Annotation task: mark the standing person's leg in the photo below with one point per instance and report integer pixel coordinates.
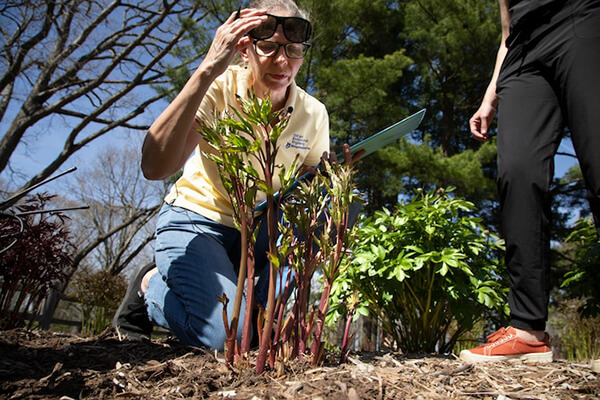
(579, 78)
(193, 256)
(529, 132)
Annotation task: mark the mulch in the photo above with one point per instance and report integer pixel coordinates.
(50, 365)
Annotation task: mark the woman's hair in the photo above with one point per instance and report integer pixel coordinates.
(288, 5)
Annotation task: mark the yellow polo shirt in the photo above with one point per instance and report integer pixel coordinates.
(307, 135)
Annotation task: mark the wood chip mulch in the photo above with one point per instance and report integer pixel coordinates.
(46, 365)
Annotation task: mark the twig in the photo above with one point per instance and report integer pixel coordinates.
(458, 370)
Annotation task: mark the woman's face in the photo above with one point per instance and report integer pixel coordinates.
(272, 74)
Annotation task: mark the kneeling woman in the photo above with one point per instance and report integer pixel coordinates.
(197, 244)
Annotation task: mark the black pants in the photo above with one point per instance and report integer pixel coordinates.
(550, 77)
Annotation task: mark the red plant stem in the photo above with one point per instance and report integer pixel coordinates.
(346, 338)
(38, 303)
(309, 324)
(320, 322)
(26, 288)
(230, 340)
(291, 332)
(281, 306)
(292, 318)
(291, 326)
(303, 291)
(272, 229)
(303, 294)
(246, 258)
(268, 328)
(7, 296)
(301, 304)
(327, 285)
(303, 330)
(232, 331)
(248, 315)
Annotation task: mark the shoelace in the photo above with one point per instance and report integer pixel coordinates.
(497, 335)
(498, 342)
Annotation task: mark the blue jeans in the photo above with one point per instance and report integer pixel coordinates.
(197, 261)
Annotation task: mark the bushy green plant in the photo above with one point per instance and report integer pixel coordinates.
(313, 237)
(99, 294)
(576, 318)
(422, 269)
(245, 145)
(582, 280)
(577, 335)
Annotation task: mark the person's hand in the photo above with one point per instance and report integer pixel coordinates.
(349, 158)
(332, 158)
(231, 37)
(481, 121)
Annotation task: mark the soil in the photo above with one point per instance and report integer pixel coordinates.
(47, 365)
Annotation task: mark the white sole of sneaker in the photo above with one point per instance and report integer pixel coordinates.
(472, 358)
(596, 366)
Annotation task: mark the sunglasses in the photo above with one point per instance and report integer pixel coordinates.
(268, 48)
(295, 29)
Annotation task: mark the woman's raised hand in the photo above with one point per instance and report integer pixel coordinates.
(231, 37)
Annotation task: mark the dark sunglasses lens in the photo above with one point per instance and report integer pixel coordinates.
(296, 29)
(265, 30)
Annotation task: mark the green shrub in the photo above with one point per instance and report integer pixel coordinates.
(576, 319)
(99, 294)
(577, 335)
(581, 281)
(313, 235)
(428, 270)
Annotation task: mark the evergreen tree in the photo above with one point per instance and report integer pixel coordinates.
(375, 62)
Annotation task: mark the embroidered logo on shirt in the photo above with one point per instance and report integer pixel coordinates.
(297, 142)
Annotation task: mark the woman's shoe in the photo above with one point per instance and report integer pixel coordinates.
(131, 319)
(505, 345)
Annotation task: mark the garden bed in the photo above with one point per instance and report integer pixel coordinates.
(46, 365)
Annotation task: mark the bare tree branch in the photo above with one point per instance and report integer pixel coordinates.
(119, 264)
(23, 49)
(81, 254)
(70, 147)
(87, 61)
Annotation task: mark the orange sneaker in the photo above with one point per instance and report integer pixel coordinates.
(505, 345)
